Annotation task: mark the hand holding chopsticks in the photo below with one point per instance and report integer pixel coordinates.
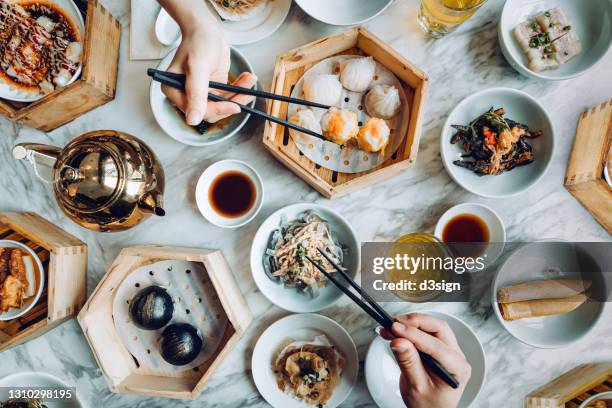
(177, 81)
(378, 313)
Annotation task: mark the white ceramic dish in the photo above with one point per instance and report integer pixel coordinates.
(301, 327)
(591, 19)
(40, 271)
(497, 231)
(256, 28)
(382, 372)
(41, 380)
(173, 122)
(205, 181)
(597, 397)
(292, 299)
(533, 262)
(167, 30)
(343, 12)
(12, 93)
(520, 107)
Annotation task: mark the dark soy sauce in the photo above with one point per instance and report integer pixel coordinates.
(232, 194)
(468, 233)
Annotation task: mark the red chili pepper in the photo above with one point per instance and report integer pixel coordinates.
(489, 135)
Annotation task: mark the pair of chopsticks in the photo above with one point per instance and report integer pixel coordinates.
(379, 314)
(177, 81)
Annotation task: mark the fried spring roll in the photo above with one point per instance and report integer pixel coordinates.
(4, 264)
(542, 289)
(538, 308)
(18, 269)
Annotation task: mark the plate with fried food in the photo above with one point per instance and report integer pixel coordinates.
(305, 360)
(22, 279)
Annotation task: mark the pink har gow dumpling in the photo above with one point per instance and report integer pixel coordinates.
(383, 101)
(339, 125)
(374, 135)
(325, 89)
(356, 74)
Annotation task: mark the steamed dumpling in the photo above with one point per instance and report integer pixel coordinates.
(383, 101)
(356, 74)
(307, 119)
(339, 125)
(322, 88)
(374, 135)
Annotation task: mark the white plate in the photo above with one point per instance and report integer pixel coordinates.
(532, 262)
(257, 27)
(291, 298)
(497, 231)
(601, 396)
(350, 159)
(173, 122)
(591, 19)
(14, 313)
(40, 380)
(294, 328)
(343, 12)
(383, 374)
(12, 93)
(520, 107)
(206, 179)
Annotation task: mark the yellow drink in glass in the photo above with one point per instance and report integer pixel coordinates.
(440, 17)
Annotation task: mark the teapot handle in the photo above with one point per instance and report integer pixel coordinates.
(37, 154)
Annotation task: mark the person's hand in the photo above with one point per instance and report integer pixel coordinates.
(421, 388)
(202, 56)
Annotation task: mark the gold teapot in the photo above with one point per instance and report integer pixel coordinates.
(103, 180)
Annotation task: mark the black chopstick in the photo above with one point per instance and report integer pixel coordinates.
(241, 90)
(380, 315)
(177, 83)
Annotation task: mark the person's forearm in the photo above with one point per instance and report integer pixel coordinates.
(190, 14)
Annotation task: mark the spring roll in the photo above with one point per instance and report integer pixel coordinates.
(542, 289)
(30, 277)
(538, 308)
(4, 264)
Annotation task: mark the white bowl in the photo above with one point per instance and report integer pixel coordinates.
(205, 181)
(382, 372)
(15, 313)
(602, 395)
(532, 262)
(497, 231)
(292, 299)
(172, 121)
(301, 327)
(520, 107)
(343, 12)
(33, 380)
(591, 19)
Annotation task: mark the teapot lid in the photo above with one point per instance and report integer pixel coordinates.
(89, 176)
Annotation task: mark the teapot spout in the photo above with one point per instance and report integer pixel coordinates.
(151, 202)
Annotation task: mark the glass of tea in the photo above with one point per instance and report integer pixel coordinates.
(229, 193)
(440, 17)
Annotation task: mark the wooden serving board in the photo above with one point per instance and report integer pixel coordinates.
(572, 388)
(584, 177)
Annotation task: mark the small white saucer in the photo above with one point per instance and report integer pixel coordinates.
(497, 231)
(209, 175)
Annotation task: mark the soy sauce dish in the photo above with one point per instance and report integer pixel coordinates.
(229, 193)
(472, 229)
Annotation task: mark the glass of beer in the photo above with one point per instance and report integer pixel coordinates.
(440, 17)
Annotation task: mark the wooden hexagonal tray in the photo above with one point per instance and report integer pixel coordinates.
(289, 69)
(120, 368)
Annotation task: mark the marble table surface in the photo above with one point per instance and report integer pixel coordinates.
(463, 63)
